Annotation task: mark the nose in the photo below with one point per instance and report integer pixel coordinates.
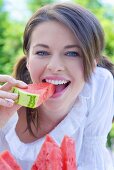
(55, 64)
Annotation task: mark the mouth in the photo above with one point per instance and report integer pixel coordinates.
(60, 85)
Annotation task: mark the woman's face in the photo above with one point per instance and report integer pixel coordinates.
(55, 57)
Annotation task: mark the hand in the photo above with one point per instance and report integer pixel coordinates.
(7, 99)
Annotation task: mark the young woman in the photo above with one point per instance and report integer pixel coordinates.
(63, 45)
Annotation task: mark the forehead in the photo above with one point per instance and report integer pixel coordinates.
(52, 31)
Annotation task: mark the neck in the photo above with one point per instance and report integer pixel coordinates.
(48, 121)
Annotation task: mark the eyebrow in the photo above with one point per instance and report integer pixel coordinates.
(66, 47)
(41, 45)
(72, 46)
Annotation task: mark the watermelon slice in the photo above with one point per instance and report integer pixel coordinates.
(34, 95)
(9, 160)
(51, 140)
(40, 162)
(54, 156)
(54, 159)
(4, 165)
(68, 152)
(49, 157)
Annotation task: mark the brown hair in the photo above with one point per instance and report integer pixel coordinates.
(85, 27)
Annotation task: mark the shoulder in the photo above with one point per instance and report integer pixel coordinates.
(101, 74)
(100, 85)
(100, 78)
(101, 81)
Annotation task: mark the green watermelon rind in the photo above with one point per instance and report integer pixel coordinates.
(25, 98)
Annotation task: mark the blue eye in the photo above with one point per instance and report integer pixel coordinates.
(72, 53)
(42, 53)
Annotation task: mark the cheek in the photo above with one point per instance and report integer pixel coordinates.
(78, 71)
(35, 69)
(78, 79)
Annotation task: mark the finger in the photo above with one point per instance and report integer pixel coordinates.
(21, 84)
(7, 78)
(6, 102)
(8, 95)
(8, 86)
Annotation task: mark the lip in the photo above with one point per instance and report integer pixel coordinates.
(55, 78)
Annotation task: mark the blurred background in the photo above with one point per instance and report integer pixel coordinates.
(14, 15)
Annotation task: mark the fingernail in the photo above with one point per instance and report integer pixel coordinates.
(23, 84)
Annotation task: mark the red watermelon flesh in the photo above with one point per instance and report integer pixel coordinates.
(49, 157)
(51, 140)
(39, 88)
(34, 167)
(34, 95)
(8, 158)
(54, 159)
(4, 165)
(40, 163)
(68, 152)
(45, 90)
(40, 160)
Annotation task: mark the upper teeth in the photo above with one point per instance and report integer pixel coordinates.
(56, 82)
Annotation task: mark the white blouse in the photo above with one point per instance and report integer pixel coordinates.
(88, 122)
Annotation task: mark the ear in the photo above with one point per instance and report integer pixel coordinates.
(95, 62)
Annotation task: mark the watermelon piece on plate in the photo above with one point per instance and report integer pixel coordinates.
(4, 165)
(40, 160)
(49, 157)
(51, 140)
(34, 95)
(54, 159)
(8, 158)
(68, 152)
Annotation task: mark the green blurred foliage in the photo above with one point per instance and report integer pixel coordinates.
(110, 141)
(12, 47)
(10, 41)
(33, 5)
